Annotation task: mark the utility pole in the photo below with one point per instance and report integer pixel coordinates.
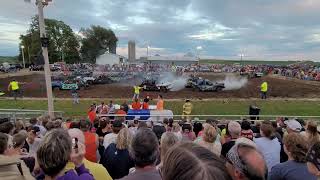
(23, 61)
(44, 45)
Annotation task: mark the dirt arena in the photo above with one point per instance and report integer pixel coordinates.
(33, 85)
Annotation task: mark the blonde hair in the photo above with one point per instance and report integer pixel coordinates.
(312, 133)
(124, 139)
(168, 139)
(20, 125)
(176, 127)
(209, 133)
(297, 146)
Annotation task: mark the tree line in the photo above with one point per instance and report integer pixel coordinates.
(64, 44)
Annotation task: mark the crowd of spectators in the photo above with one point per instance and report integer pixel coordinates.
(45, 148)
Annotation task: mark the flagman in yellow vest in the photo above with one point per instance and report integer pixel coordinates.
(14, 88)
(264, 90)
(187, 110)
(136, 92)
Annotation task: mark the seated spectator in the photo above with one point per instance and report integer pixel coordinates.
(293, 126)
(54, 153)
(112, 137)
(33, 140)
(187, 133)
(158, 129)
(91, 141)
(144, 151)
(268, 145)
(313, 157)
(136, 105)
(208, 139)
(97, 170)
(246, 130)
(244, 161)
(168, 139)
(11, 167)
(234, 130)
(116, 157)
(189, 161)
(296, 167)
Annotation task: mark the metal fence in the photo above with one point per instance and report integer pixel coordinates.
(14, 114)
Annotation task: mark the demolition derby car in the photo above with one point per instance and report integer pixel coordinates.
(152, 85)
(68, 85)
(206, 85)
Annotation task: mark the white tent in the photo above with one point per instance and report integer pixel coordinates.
(111, 59)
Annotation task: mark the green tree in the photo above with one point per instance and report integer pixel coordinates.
(97, 40)
(63, 43)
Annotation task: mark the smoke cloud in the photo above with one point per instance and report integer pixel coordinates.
(177, 82)
(234, 83)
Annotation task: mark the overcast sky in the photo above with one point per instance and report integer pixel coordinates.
(259, 29)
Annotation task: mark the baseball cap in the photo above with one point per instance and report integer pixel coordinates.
(117, 123)
(293, 125)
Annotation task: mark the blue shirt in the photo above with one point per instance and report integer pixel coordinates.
(291, 170)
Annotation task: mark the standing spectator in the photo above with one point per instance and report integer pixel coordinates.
(54, 153)
(91, 141)
(112, 137)
(268, 145)
(103, 129)
(296, 167)
(101, 108)
(187, 110)
(116, 157)
(11, 166)
(293, 126)
(97, 170)
(145, 104)
(187, 133)
(136, 105)
(189, 161)
(246, 130)
(92, 113)
(74, 95)
(313, 157)
(168, 139)
(245, 162)
(176, 129)
(158, 130)
(38, 123)
(33, 140)
(208, 139)
(19, 126)
(160, 103)
(144, 150)
(234, 130)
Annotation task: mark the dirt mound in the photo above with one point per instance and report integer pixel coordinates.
(34, 86)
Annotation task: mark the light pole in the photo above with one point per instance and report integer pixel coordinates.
(44, 45)
(22, 50)
(148, 51)
(241, 56)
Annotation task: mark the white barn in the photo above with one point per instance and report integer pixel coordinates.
(111, 59)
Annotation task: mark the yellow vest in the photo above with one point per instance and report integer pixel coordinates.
(14, 85)
(137, 89)
(187, 108)
(264, 87)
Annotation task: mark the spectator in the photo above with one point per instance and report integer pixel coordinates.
(176, 129)
(37, 122)
(121, 112)
(116, 157)
(208, 139)
(189, 161)
(125, 107)
(246, 130)
(104, 128)
(54, 153)
(92, 113)
(168, 139)
(112, 137)
(97, 170)
(142, 124)
(74, 124)
(168, 124)
(160, 103)
(296, 167)
(234, 130)
(313, 157)
(245, 162)
(19, 126)
(311, 134)
(8, 129)
(145, 104)
(293, 126)
(158, 129)
(11, 166)
(187, 110)
(197, 127)
(136, 105)
(268, 145)
(133, 127)
(144, 150)
(187, 133)
(91, 141)
(33, 140)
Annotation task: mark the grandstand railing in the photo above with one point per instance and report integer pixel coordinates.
(14, 114)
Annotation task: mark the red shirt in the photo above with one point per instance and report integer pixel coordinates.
(92, 116)
(136, 105)
(91, 146)
(121, 112)
(145, 105)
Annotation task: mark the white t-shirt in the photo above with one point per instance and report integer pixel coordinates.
(109, 138)
(34, 146)
(270, 150)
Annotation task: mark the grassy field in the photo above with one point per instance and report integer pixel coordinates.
(216, 107)
(245, 62)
